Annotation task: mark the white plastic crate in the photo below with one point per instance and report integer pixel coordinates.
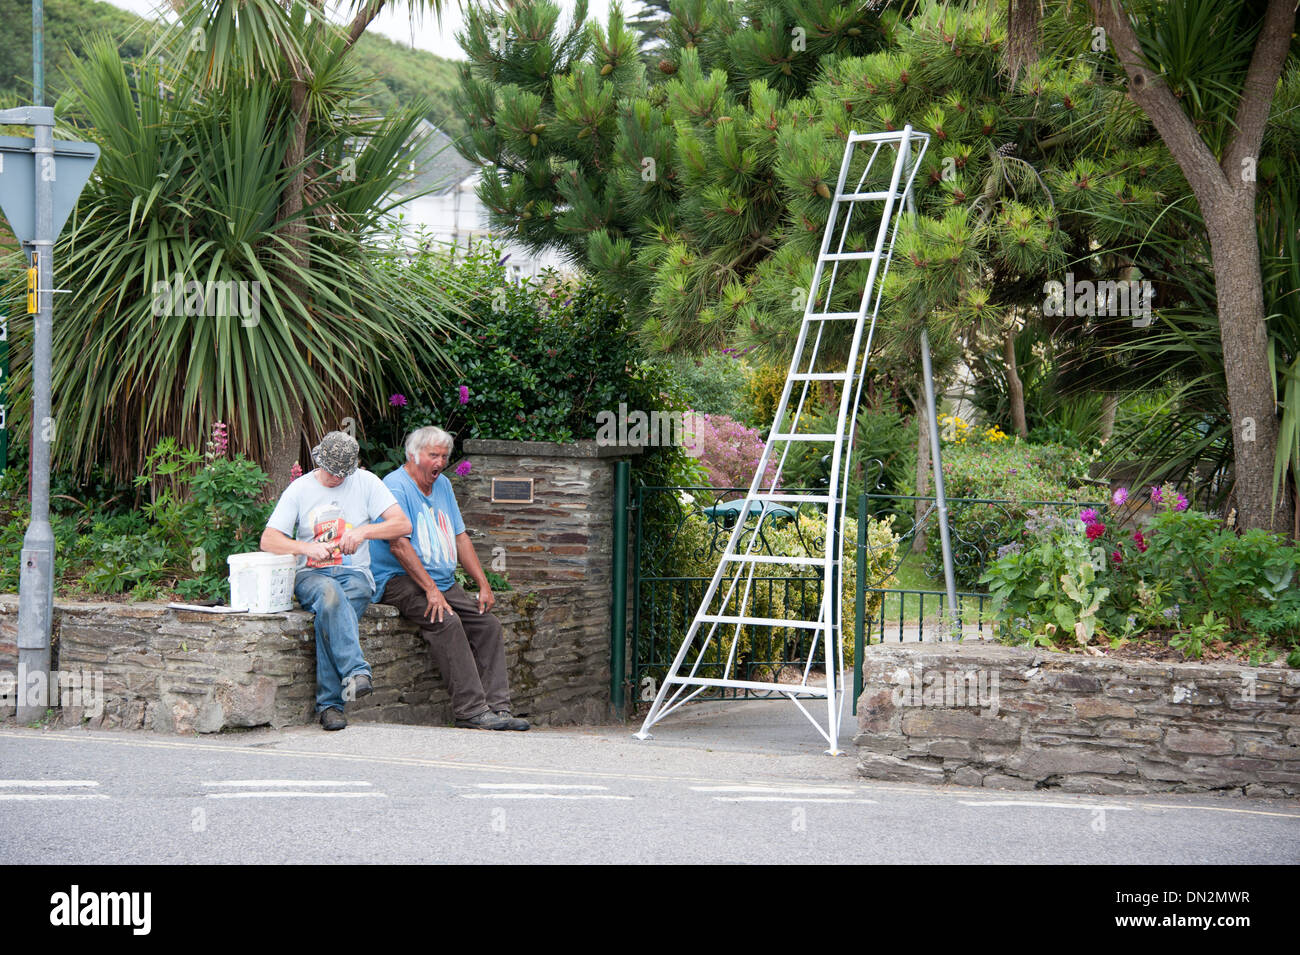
(261, 583)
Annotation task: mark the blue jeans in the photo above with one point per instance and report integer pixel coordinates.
(338, 596)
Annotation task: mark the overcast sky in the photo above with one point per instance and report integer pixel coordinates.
(395, 23)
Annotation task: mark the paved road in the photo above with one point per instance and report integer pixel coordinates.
(740, 783)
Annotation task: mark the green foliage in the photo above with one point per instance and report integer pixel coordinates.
(712, 384)
(1186, 578)
(538, 360)
(201, 509)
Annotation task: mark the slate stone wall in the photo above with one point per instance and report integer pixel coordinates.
(174, 671)
(1010, 718)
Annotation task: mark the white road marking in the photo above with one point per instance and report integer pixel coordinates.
(1045, 805)
(44, 783)
(516, 795)
(784, 790)
(799, 799)
(271, 794)
(28, 797)
(535, 786)
(287, 782)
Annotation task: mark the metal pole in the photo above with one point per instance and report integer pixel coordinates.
(36, 575)
(940, 500)
(860, 601)
(618, 610)
(38, 52)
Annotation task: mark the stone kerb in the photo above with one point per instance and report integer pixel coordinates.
(1011, 718)
(180, 672)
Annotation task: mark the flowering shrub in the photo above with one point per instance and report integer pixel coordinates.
(958, 431)
(729, 451)
(1188, 578)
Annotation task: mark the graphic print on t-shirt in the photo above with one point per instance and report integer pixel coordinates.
(435, 538)
(327, 526)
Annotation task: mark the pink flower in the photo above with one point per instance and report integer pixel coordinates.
(1182, 503)
(1156, 496)
(1089, 515)
(1119, 497)
(1094, 531)
(220, 439)
(397, 401)
(295, 472)
(1117, 557)
(464, 394)
(1140, 541)
(464, 467)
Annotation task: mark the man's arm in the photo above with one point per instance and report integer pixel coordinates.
(469, 560)
(391, 524)
(405, 554)
(278, 542)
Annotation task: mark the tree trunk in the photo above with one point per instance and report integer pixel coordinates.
(1015, 387)
(1109, 406)
(1253, 410)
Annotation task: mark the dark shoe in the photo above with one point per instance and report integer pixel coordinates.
(332, 718)
(512, 722)
(360, 686)
(487, 720)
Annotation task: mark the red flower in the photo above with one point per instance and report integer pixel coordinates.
(1140, 541)
(1117, 557)
(1095, 530)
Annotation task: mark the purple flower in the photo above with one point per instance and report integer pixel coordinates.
(1182, 503)
(1156, 496)
(1012, 471)
(464, 394)
(1119, 497)
(464, 467)
(1089, 515)
(397, 401)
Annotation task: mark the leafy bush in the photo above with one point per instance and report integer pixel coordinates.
(713, 384)
(538, 361)
(1187, 578)
(1014, 472)
(729, 451)
(764, 393)
(203, 508)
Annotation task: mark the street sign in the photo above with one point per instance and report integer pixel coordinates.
(67, 171)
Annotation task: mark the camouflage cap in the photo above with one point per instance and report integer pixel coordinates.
(336, 453)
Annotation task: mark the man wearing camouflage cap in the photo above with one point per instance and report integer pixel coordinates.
(335, 509)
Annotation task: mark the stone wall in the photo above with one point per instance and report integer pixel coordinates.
(180, 672)
(1010, 718)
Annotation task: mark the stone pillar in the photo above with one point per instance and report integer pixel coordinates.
(558, 547)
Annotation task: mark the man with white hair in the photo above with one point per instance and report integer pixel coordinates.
(416, 574)
(334, 509)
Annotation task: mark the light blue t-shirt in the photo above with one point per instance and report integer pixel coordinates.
(435, 522)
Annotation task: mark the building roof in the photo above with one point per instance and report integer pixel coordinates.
(437, 167)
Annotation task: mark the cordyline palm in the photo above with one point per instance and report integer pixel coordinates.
(246, 40)
(190, 183)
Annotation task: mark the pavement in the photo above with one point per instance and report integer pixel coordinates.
(719, 782)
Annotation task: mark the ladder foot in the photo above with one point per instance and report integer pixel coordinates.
(643, 735)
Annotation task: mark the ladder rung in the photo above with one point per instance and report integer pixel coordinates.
(749, 685)
(804, 437)
(863, 196)
(894, 135)
(820, 376)
(847, 257)
(832, 316)
(761, 621)
(770, 559)
(805, 498)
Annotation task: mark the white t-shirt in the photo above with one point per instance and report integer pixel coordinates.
(324, 514)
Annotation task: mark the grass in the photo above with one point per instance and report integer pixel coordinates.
(911, 576)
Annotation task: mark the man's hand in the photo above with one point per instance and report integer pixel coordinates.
(436, 604)
(352, 538)
(486, 599)
(317, 550)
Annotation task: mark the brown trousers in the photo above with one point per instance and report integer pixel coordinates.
(467, 648)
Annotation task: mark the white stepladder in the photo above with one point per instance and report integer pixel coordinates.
(831, 354)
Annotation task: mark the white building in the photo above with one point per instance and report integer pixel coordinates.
(450, 212)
